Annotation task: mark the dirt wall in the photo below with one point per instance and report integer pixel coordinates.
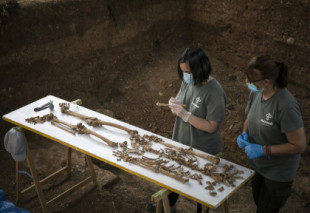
(235, 31)
(87, 49)
(76, 49)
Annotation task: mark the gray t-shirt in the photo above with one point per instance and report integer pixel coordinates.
(207, 101)
(268, 121)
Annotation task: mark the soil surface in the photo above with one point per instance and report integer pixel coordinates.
(126, 86)
(133, 100)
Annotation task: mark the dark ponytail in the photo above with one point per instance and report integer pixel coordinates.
(269, 69)
(282, 80)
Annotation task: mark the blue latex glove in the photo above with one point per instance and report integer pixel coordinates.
(242, 139)
(253, 150)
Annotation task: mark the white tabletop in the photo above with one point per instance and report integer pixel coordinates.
(95, 147)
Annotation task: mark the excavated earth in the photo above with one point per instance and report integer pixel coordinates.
(120, 58)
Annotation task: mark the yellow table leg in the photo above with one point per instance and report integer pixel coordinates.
(225, 206)
(38, 182)
(35, 178)
(166, 204)
(161, 198)
(68, 164)
(159, 206)
(91, 169)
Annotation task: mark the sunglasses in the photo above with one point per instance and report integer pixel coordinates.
(254, 81)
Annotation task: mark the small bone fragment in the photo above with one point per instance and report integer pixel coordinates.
(214, 160)
(220, 189)
(198, 178)
(183, 180)
(212, 193)
(210, 187)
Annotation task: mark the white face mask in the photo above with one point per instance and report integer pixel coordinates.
(188, 78)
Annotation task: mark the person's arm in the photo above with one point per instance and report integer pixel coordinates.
(296, 143)
(197, 122)
(203, 124)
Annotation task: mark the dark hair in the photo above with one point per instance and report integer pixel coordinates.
(269, 69)
(199, 64)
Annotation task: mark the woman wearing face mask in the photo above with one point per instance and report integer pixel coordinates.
(273, 134)
(198, 124)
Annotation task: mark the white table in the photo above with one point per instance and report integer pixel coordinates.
(94, 147)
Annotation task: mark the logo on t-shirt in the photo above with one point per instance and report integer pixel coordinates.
(268, 116)
(267, 122)
(196, 102)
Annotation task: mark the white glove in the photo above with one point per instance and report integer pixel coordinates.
(176, 108)
(173, 101)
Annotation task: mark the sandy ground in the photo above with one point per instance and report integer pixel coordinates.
(133, 101)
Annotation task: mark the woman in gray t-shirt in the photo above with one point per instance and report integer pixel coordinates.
(273, 134)
(198, 124)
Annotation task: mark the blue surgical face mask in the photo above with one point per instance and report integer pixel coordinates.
(253, 88)
(188, 78)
